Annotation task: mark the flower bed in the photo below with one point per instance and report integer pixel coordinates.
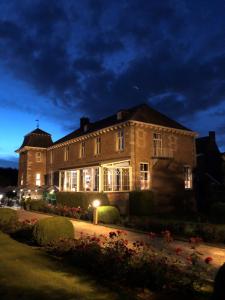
(138, 264)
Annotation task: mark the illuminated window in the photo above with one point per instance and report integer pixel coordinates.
(97, 145)
(82, 149)
(116, 177)
(51, 179)
(120, 140)
(187, 177)
(66, 153)
(157, 144)
(144, 176)
(38, 179)
(21, 181)
(51, 157)
(38, 156)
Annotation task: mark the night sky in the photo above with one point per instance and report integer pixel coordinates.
(60, 60)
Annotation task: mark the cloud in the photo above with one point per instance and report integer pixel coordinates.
(87, 56)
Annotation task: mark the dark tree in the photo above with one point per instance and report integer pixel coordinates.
(8, 177)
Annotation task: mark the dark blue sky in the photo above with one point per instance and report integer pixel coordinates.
(60, 60)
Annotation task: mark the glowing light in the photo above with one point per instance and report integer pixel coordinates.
(52, 192)
(1, 196)
(29, 191)
(21, 190)
(96, 203)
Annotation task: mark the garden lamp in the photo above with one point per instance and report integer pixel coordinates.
(95, 204)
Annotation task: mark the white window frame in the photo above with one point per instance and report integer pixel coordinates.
(157, 143)
(66, 153)
(97, 148)
(82, 149)
(38, 156)
(38, 179)
(120, 140)
(143, 172)
(188, 177)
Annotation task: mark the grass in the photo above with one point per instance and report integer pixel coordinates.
(28, 273)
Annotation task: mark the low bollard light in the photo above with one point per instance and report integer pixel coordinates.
(95, 204)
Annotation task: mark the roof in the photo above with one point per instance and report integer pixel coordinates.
(37, 138)
(141, 113)
(206, 144)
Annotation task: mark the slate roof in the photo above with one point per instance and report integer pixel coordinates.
(37, 138)
(142, 113)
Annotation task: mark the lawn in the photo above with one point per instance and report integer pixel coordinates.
(28, 273)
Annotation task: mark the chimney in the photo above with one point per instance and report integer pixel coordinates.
(121, 114)
(212, 136)
(84, 124)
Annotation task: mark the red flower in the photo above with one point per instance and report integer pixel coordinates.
(208, 260)
(178, 250)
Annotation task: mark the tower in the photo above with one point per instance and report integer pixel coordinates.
(32, 161)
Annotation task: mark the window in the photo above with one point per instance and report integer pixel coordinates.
(51, 157)
(66, 153)
(74, 186)
(51, 179)
(187, 177)
(157, 144)
(21, 180)
(38, 156)
(120, 140)
(38, 179)
(97, 145)
(82, 149)
(144, 176)
(116, 177)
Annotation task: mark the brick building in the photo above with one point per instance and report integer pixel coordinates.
(135, 149)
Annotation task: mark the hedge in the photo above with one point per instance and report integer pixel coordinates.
(8, 219)
(218, 212)
(80, 199)
(37, 205)
(51, 229)
(108, 214)
(141, 203)
(207, 231)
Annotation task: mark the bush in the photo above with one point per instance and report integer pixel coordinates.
(80, 199)
(141, 203)
(37, 205)
(8, 219)
(218, 212)
(108, 214)
(51, 229)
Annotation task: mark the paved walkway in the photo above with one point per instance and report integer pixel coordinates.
(216, 252)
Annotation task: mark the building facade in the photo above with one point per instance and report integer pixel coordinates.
(135, 149)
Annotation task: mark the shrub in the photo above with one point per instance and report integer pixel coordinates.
(51, 229)
(37, 205)
(8, 219)
(141, 203)
(108, 214)
(80, 199)
(218, 212)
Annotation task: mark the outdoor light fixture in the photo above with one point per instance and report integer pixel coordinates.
(29, 191)
(52, 191)
(1, 196)
(95, 204)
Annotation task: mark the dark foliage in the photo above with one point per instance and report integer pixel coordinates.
(8, 177)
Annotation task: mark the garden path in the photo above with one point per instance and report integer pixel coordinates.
(217, 252)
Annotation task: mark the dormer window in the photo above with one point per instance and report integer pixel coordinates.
(38, 156)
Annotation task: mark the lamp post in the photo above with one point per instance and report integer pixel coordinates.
(95, 204)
